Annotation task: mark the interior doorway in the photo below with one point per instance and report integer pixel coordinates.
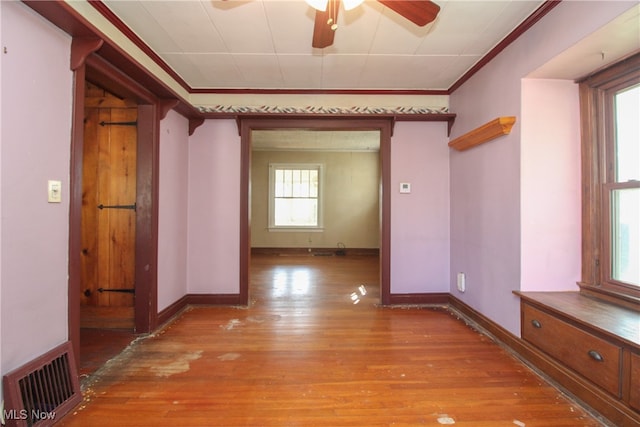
(113, 216)
(383, 129)
(315, 193)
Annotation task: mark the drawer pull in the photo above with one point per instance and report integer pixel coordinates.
(595, 356)
(536, 324)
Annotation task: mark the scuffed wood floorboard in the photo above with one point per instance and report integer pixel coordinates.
(305, 354)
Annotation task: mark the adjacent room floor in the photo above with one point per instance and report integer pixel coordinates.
(98, 346)
(314, 348)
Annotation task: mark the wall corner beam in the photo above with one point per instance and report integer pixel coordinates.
(194, 123)
(166, 105)
(81, 47)
(493, 129)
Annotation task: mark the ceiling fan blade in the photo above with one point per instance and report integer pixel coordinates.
(323, 33)
(420, 12)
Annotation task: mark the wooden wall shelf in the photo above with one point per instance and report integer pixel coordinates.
(487, 132)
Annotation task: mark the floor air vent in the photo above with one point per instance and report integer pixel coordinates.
(40, 392)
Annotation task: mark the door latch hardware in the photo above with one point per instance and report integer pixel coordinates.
(125, 291)
(132, 207)
(103, 123)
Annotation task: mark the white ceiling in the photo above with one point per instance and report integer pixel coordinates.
(266, 44)
(608, 44)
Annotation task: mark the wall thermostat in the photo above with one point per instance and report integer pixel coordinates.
(405, 187)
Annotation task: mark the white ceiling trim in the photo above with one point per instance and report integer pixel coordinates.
(88, 12)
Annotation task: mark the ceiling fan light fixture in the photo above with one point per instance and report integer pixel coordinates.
(351, 4)
(320, 5)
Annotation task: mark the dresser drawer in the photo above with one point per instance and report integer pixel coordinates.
(634, 396)
(592, 357)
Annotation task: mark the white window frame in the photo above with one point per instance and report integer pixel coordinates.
(296, 166)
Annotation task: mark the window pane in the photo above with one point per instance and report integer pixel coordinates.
(288, 189)
(300, 183)
(295, 183)
(628, 135)
(296, 212)
(279, 183)
(304, 183)
(625, 233)
(313, 183)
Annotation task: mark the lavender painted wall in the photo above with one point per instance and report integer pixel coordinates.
(36, 129)
(214, 209)
(550, 186)
(1, 44)
(486, 181)
(172, 218)
(420, 219)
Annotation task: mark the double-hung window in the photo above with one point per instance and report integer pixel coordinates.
(622, 190)
(611, 181)
(295, 196)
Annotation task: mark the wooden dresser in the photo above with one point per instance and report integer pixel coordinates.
(590, 347)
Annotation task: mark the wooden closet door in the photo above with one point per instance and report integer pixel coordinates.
(108, 213)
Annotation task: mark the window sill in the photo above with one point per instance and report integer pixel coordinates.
(610, 295)
(297, 229)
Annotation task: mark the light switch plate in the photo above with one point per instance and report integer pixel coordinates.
(54, 191)
(405, 187)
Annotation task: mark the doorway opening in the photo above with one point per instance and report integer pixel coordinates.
(316, 193)
(253, 129)
(113, 220)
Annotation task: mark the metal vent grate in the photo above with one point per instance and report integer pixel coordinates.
(40, 392)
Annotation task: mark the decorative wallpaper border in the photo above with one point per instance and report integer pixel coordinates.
(267, 109)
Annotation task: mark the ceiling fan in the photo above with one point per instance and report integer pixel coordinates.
(420, 12)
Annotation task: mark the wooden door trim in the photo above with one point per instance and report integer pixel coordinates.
(147, 187)
(384, 125)
(75, 209)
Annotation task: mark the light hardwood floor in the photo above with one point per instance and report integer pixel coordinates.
(315, 349)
